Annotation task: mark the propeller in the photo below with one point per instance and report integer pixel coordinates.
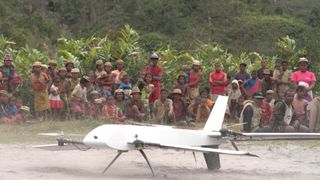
(61, 134)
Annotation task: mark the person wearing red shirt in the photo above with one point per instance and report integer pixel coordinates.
(157, 73)
(303, 75)
(217, 82)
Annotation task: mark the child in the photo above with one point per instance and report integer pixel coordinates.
(163, 109)
(56, 103)
(300, 108)
(186, 72)
(91, 109)
(234, 94)
(111, 111)
(203, 110)
(126, 85)
(12, 108)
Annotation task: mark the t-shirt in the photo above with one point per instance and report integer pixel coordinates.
(155, 71)
(307, 77)
(218, 76)
(163, 109)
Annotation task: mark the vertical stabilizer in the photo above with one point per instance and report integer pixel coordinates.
(215, 120)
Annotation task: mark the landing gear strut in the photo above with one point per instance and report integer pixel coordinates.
(120, 152)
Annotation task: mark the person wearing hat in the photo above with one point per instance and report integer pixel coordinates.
(303, 75)
(269, 98)
(105, 83)
(283, 118)
(69, 66)
(194, 80)
(157, 73)
(242, 74)
(110, 111)
(179, 107)
(39, 85)
(162, 112)
(74, 80)
(135, 108)
(94, 105)
(9, 73)
(108, 67)
(267, 82)
(99, 68)
(266, 108)
(116, 74)
(79, 97)
(250, 115)
(234, 94)
(217, 82)
(282, 79)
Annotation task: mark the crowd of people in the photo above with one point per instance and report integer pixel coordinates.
(268, 99)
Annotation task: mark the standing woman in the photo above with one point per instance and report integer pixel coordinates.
(303, 75)
(39, 85)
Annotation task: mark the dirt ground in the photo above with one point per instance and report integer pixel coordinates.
(282, 161)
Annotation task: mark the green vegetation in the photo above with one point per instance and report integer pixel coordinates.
(181, 31)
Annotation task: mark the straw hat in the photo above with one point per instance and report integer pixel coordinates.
(108, 64)
(176, 91)
(118, 91)
(99, 62)
(119, 61)
(53, 61)
(94, 92)
(197, 63)
(75, 70)
(37, 63)
(135, 90)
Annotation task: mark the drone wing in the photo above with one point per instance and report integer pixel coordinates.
(279, 136)
(194, 149)
(55, 147)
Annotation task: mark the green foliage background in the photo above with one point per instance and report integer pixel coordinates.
(180, 30)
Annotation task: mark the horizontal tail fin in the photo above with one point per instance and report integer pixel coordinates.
(215, 120)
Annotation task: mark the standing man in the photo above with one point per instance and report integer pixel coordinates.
(282, 79)
(194, 80)
(217, 82)
(157, 73)
(242, 74)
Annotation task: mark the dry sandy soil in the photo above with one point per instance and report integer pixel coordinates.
(294, 160)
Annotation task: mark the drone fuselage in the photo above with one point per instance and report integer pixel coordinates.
(122, 137)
